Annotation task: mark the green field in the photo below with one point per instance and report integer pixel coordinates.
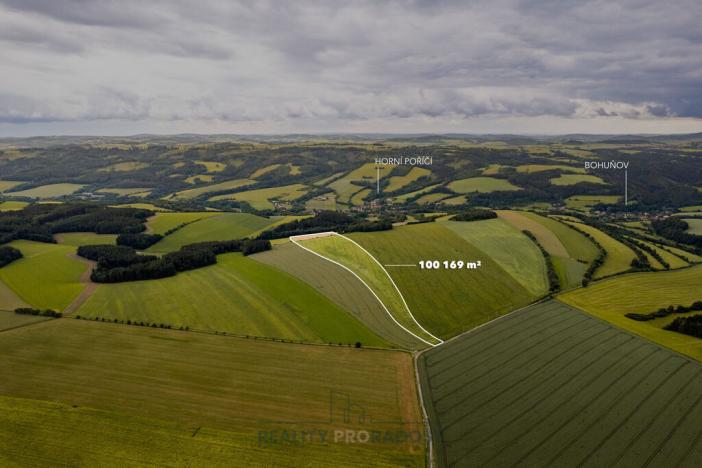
(10, 320)
(212, 166)
(125, 167)
(196, 192)
(123, 192)
(8, 184)
(432, 198)
(143, 206)
(492, 169)
(482, 185)
(397, 182)
(358, 197)
(200, 179)
(98, 394)
(453, 201)
(683, 209)
(341, 250)
(340, 286)
(261, 171)
(445, 302)
(261, 199)
(326, 202)
(8, 299)
(221, 226)
(48, 191)
(570, 251)
(12, 205)
(695, 226)
(344, 187)
(551, 386)
(531, 168)
(237, 295)
(585, 202)
(619, 256)
(509, 248)
(572, 179)
(160, 223)
(47, 277)
(644, 293)
(77, 239)
(405, 196)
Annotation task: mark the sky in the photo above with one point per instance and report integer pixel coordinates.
(108, 67)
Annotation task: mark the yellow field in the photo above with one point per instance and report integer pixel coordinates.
(48, 191)
(12, 205)
(199, 179)
(212, 166)
(344, 187)
(260, 199)
(8, 184)
(196, 192)
(572, 179)
(531, 168)
(397, 182)
(122, 192)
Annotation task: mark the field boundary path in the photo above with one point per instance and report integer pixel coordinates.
(295, 239)
(89, 288)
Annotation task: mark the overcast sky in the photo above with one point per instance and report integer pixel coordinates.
(214, 66)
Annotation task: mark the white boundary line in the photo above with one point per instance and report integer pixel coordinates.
(293, 239)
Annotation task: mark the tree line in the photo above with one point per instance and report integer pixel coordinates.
(665, 312)
(119, 263)
(326, 221)
(8, 255)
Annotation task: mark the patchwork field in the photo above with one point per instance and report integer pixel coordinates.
(432, 198)
(345, 252)
(8, 184)
(76, 239)
(341, 287)
(8, 299)
(585, 202)
(47, 191)
(641, 293)
(196, 192)
(12, 205)
(125, 167)
(509, 248)
(48, 277)
(163, 222)
(551, 386)
(261, 199)
(344, 187)
(482, 185)
(222, 226)
(10, 320)
(405, 196)
(531, 168)
(237, 295)
(572, 179)
(148, 396)
(123, 192)
(397, 182)
(619, 256)
(445, 302)
(695, 226)
(570, 251)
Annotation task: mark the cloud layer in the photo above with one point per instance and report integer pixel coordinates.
(111, 66)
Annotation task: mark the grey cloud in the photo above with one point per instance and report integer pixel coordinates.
(350, 61)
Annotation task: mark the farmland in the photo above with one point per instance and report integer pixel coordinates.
(123, 192)
(222, 226)
(481, 185)
(145, 396)
(12, 205)
(641, 293)
(163, 222)
(76, 239)
(196, 192)
(551, 386)
(572, 179)
(585, 202)
(445, 302)
(260, 199)
(340, 286)
(695, 226)
(6, 185)
(47, 191)
(619, 256)
(345, 188)
(531, 168)
(341, 250)
(237, 295)
(47, 277)
(10, 320)
(570, 251)
(397, 182)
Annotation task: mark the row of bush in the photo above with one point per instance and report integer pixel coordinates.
(8, 255)
(38, 312)
(554, 284)
(475, 214)
(598, 262)
(119, 263)
(326, 221)
(687, 325)
(665, 312)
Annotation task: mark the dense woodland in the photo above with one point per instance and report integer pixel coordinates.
(326, 221)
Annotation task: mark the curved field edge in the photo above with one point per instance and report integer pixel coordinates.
(64, 404)
(348, 254)
(340, 286)
(611, 298)
(237, 295)
(447, 302)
